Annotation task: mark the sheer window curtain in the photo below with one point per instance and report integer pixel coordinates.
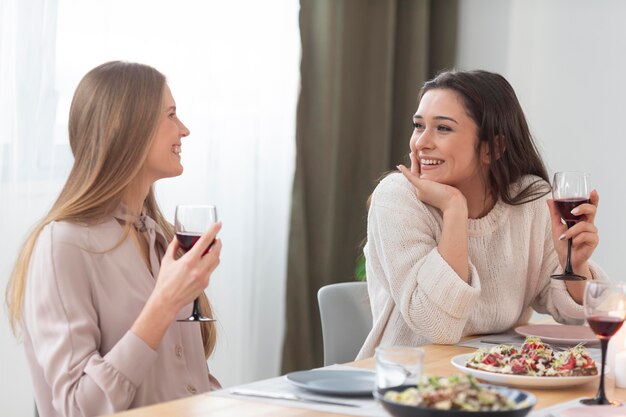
(233, 68)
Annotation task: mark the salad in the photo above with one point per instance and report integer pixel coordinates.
(534, 358)
(456, 392)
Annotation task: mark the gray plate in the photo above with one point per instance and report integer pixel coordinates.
(339, 382)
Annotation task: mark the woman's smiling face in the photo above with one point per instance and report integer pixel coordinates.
(164, 156)
(445, 140)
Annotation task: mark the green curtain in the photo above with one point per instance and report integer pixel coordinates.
(363, 62)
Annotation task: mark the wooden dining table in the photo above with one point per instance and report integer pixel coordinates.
(437, 362)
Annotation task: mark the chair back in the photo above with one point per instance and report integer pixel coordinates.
(346, 320)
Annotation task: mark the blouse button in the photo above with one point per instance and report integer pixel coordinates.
(191, 389)
(178, 351)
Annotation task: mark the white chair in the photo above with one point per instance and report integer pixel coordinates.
(346, 320)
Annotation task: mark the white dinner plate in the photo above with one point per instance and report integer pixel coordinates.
(337, 382)
(520, 381)
(559, 333)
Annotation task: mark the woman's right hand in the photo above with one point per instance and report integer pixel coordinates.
(181, 280)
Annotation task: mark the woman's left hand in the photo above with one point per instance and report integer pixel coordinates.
(584, 234)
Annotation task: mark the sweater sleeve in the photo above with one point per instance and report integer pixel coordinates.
(62, 322)
(402, 239)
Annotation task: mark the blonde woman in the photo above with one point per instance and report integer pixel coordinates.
(97, 288)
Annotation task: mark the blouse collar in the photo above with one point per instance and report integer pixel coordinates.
(141, 222)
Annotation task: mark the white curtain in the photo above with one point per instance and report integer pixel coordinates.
(31, 164)
(233, 68)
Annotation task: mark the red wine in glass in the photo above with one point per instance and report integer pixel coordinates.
(605, 309)
(605, 326)
(569, 190)
(190, 224)
(187, 240)
(566, 205)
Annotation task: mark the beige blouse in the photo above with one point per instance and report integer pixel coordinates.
(83, 294)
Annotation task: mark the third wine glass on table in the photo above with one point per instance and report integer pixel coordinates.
(569, 190)
(190, 224)
(605, 309)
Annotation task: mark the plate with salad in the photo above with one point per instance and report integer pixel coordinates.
(455, 396)
(534, 364)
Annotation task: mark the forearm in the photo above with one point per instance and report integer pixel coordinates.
(153, 321)
(453, 243)
(431, 298)
(577, 288)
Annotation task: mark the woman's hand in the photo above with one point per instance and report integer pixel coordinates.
(442, 196)
(584, 234)
(179, 282)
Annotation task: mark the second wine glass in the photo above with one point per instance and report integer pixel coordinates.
(569, 190)
(605, 309)
(190, 223)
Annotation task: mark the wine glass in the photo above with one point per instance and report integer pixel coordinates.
(190, 223)
(605, 309)
(569, 190)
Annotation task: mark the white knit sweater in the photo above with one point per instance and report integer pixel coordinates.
(417, 298)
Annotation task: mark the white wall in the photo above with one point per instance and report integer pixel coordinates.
(566, 60)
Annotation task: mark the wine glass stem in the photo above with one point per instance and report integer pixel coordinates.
(568, 262)
(601, 396)
(196, 307)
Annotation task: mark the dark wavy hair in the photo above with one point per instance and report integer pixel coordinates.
(491, 102)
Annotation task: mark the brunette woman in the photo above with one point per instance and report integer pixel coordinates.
(464, 242)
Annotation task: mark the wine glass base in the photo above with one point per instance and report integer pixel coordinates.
(193, 319)
(600, 401)
(568, 277)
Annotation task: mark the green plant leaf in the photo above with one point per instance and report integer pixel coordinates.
(359, 269)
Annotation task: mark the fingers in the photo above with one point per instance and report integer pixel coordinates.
(212, 259)
(594, 198)
(588, 210)
(415, 166)
(408, 174)
(207, 264)
(205, 241)
(586, 239)
(580, 228)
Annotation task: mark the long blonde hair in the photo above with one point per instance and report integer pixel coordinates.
(113, 118)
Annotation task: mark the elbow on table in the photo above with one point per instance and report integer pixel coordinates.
(435, 329)
(439, 335)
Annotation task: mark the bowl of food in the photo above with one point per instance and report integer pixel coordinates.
(455, 396)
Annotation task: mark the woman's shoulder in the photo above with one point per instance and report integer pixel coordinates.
(393, 184)
(537, 187)
(527, 180)
(91, 237)
(395, 192)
